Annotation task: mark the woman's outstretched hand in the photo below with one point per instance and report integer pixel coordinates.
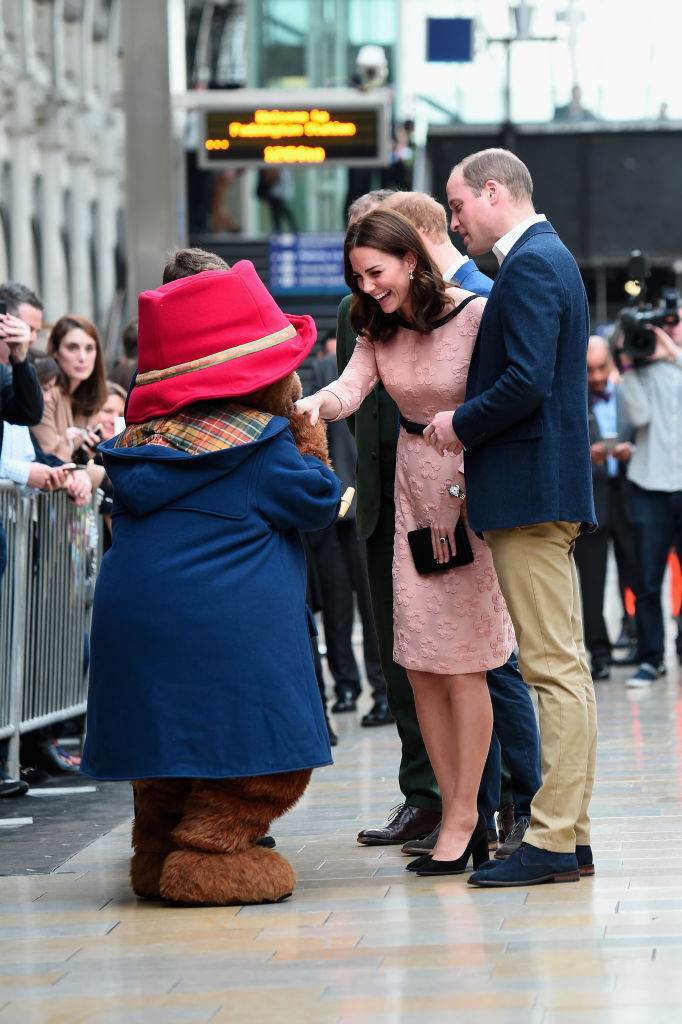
(310, 407)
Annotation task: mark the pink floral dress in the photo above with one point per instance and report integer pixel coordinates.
(454, 621)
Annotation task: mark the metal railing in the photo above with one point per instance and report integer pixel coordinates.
(53, 554)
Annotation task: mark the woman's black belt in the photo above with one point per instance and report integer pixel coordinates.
(411, 427)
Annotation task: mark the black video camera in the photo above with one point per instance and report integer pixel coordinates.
(636, 320)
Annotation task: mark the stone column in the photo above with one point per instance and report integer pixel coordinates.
(151, 192)
(107, 178)
(53, 139)
(80, 162)
(21, 135)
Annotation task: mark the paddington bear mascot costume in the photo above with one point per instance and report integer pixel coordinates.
(202, 683)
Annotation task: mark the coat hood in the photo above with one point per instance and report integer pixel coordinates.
(149, 477)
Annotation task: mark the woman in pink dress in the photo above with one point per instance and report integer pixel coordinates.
(416, 334)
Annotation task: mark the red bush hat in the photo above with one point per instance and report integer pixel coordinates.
(216, 334)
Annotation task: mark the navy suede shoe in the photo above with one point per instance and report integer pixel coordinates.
(583, 855)
(528, 866)
(585, 860)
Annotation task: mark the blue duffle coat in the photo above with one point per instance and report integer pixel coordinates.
(201, 661)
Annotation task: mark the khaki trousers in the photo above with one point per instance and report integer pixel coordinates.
(537, 576)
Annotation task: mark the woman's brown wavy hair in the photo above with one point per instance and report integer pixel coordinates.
(91, 394)
(391, 233)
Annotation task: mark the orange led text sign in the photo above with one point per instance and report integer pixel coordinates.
(292, 136)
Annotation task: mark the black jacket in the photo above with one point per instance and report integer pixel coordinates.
(21, 398)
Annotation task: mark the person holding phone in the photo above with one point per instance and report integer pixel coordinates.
(66, 428)
(21, 398)
(21, 401)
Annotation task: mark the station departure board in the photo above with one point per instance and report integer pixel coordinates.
(246, 128)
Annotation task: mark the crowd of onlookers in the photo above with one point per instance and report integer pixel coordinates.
(56, 403)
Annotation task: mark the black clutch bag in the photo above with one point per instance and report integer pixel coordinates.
(422, 550)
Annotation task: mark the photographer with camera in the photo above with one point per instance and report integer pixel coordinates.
(611, 435)
(650, 359)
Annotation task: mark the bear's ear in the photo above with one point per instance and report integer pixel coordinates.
(276, 398)
(282, 394)
(279, 396)
(296, 387)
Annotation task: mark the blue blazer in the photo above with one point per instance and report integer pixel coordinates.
(524, 421)
(469, 277)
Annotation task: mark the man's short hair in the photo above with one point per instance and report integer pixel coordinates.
(129, 339)
(186, 262)
(15, 294)
(497, 165)
(369, 201)
(423, 211)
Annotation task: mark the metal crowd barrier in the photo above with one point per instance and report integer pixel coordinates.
(53, 554)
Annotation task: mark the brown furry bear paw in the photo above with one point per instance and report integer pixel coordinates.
(145, 874)
(255, 875)
(310, 440)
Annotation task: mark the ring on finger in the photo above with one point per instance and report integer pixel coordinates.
(443, 540)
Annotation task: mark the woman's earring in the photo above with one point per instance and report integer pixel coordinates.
(411, 276)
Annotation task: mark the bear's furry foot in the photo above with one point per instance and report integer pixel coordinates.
(145, 874)
(159, 806)
(255, 875)
(229, 815)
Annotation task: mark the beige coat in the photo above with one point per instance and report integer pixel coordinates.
(57, 417)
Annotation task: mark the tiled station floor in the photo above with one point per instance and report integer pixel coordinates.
(362, 941)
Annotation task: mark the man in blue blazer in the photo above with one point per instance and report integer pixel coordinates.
(514, 725)
(524, 431)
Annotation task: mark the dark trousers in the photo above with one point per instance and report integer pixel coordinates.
(495, 790)
(591, 553)
(341, 573)
(515, 731)
(657, 521)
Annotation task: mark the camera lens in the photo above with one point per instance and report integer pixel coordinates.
(639, 343)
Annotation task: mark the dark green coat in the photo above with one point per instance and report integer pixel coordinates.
(375, 428)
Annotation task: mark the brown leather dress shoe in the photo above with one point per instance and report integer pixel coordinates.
(407, 823)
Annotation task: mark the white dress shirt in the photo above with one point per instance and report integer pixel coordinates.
(17, 454)
(504, 245)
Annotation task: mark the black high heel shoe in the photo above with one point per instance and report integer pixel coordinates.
(414, 865)
(477, 847)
